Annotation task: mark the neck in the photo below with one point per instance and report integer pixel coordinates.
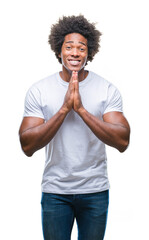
(66, 74)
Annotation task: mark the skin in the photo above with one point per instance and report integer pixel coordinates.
(113, 130)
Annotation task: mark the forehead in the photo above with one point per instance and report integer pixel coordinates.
(75, 37)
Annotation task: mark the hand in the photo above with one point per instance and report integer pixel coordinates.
(69, 97)
(72, 98)
(77, 104)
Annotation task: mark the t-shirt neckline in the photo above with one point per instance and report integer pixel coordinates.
(67, 83)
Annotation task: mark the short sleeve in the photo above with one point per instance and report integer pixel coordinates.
(32, 105)
(114, 100)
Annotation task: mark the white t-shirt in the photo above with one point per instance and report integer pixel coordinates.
(76, 159)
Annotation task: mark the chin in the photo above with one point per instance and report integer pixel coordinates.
(77, 69)
(73, 68)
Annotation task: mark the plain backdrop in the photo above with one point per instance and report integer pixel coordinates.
(25, 57)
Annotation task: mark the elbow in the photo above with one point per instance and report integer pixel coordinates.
(122, 149)
(27, 151)
(123, 146)
(26, 148)
(124, 142)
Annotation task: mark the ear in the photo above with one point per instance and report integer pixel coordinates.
(59, 55)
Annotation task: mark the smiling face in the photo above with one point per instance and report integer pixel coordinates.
(74, 52)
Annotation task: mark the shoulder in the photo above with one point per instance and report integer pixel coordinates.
(99, 79)
(104, 82)
(45, 81)
(43, 84)
(101, 83)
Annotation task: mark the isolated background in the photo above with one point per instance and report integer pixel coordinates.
(25, 57)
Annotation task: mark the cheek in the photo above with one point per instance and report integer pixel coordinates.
(85, 59)
(62, 57)
(85, 55)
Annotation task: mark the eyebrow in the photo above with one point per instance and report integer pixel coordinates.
(73, 42)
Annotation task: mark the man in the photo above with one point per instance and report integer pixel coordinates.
(73, 114)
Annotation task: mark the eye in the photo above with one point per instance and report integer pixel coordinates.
(68, 47)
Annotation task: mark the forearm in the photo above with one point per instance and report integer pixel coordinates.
(38, 137)
(115, 135)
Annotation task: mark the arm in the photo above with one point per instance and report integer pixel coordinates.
(35, 133)
(113, 130)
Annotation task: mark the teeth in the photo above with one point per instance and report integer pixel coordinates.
(74, 62)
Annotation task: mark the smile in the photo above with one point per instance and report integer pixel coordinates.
(74, 62)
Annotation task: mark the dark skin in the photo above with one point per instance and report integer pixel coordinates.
(113, 130)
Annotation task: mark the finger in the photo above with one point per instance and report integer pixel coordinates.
(72, 77)
(71, 86)
(73, 80)
(75, 76)
(76, 81)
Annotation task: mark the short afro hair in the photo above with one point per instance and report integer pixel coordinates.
(74, 24)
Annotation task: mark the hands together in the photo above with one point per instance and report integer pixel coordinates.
(72, 98)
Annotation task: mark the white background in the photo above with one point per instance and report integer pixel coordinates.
(25, 57)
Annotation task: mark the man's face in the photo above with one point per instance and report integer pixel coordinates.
(74, 52)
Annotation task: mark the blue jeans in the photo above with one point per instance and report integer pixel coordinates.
(59, 211)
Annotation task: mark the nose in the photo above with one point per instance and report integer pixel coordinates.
(75, 52)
